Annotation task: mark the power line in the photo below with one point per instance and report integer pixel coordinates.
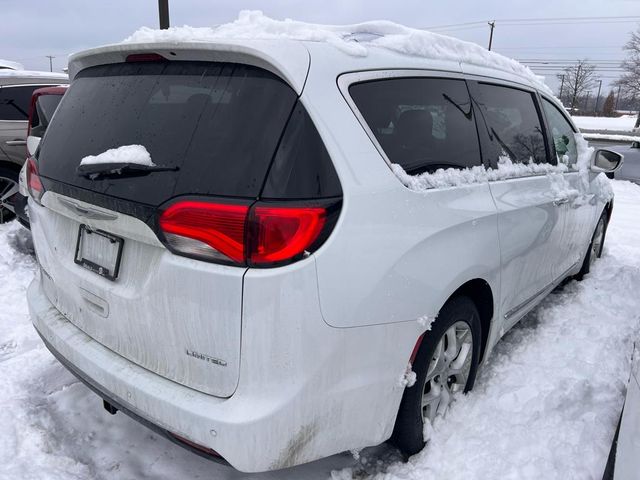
(540, 21)
(582, 47)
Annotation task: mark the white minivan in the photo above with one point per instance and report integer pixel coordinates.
(271, 251)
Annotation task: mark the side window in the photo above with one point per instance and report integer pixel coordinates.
(422, 124)
(513, 123)
(14, 102)
(562, 132)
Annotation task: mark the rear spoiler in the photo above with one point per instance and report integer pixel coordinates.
(287, 59)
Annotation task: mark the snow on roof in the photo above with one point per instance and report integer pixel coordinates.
(356, 40)
(8, 64)
(32, 73)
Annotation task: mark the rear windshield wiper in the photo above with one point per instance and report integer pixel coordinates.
(119, 170)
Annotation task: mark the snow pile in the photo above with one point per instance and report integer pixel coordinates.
(621, 124)
(384, 34)
(547, 403)
(135, 154)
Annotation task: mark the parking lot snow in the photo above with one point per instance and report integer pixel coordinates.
(544, 406)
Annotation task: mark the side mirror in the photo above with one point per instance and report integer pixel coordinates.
(635, 144)
(32, 144)
(606, 161)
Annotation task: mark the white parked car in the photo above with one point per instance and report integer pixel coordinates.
(16, 89)
(246, 244)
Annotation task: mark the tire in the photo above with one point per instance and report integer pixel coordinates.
(595, 246)
(408, 431)
(8, 179)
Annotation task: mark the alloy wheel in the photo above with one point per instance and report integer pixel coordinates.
(8, 192)
(448, 370)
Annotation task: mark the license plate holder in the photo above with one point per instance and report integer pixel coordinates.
(99, 251)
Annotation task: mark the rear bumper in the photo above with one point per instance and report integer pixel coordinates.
(304, 395)
(113, 403)
(160, 404)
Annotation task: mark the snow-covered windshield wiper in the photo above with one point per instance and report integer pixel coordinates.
(119, 170)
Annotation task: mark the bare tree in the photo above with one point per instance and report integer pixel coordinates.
(578, 79)
(609, 105)
(630, 80)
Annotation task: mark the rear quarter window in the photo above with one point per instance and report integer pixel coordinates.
(422, 124)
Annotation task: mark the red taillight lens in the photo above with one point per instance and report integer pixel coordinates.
(34, 184)
(258, 235)
(210, 230)
(282, 233)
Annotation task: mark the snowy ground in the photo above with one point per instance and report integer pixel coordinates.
(611, 137)
(545, 405)
(624, 123)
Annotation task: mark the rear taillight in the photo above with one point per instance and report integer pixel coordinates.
(281, 233)
(209, 230)
(258, 235)
(34, 184)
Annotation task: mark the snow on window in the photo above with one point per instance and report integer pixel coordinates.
(353, 40)
(452, 177)
(506, 168)
(126, 154)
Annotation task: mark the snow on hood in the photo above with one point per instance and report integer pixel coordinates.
(126, 154)
(355, 39)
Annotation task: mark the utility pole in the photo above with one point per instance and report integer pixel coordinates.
(50, 57)
(575, 88)
(617, 97)
(163, 13)
(598, 97)
(561, 86)
(586, 103)
(492, 24)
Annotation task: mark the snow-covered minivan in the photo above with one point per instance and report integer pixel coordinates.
(273, 250)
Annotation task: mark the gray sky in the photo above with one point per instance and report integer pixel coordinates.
(32, 29)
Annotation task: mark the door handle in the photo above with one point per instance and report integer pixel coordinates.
(560, 201)
(16, 143)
